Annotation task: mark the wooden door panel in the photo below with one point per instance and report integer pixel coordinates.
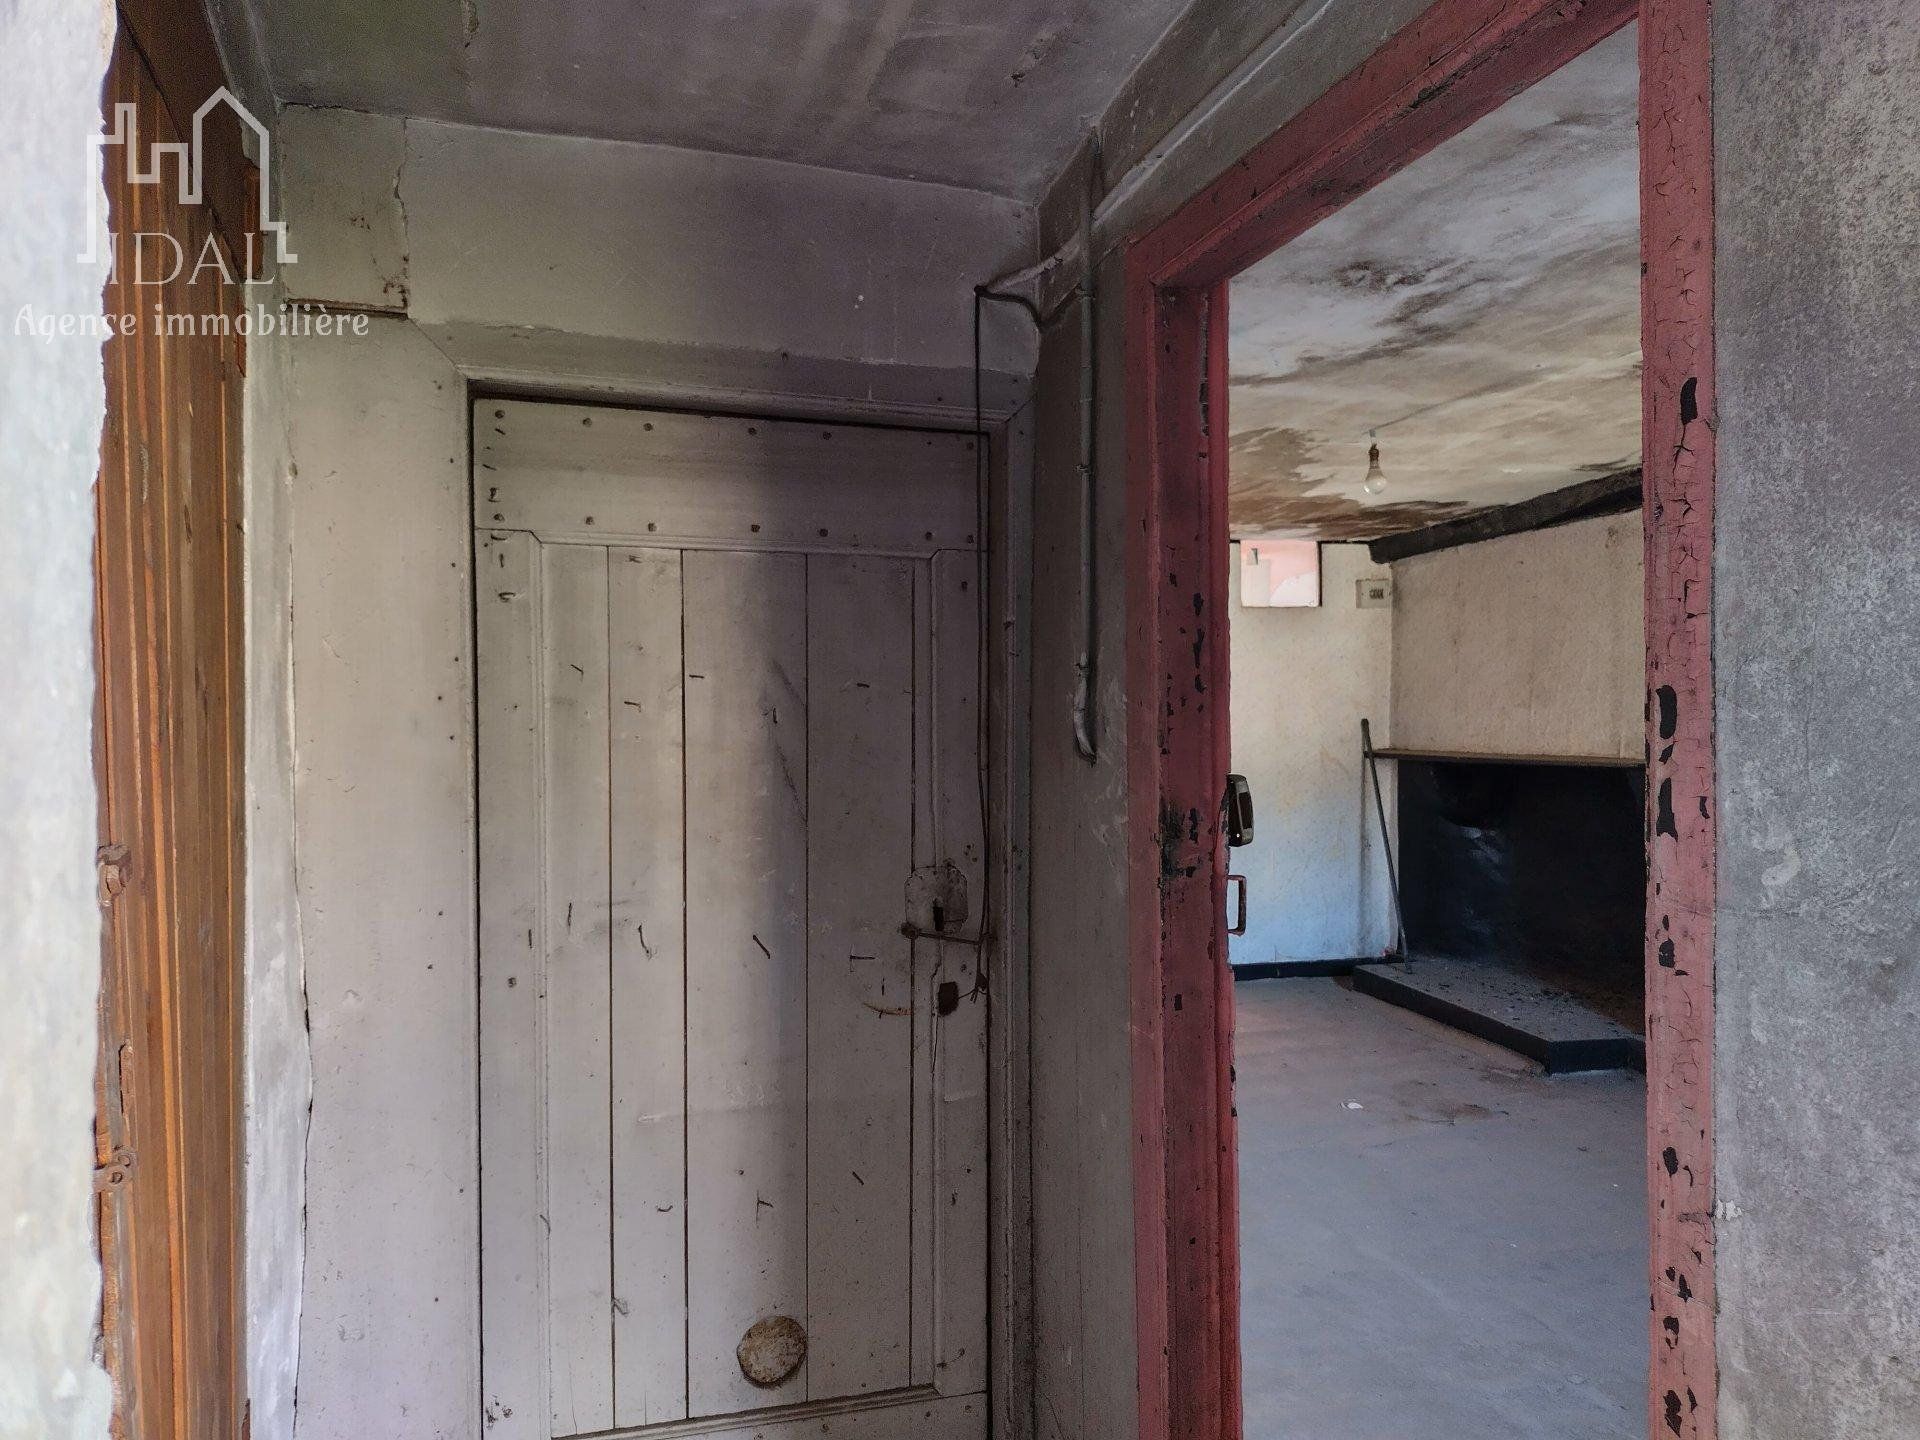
(581, 472)
(575, 988)
(649, 988)
(958, 988)
(746, 679)
(860, 991)
(510, 735)
(724, 1080)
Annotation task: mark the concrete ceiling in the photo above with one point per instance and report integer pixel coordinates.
(1479, 311)
(985, 94)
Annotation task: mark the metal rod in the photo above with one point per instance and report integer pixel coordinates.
(1086, 699)
(1086, 665)
(1386, 840)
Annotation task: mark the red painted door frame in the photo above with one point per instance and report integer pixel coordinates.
(1458, 61)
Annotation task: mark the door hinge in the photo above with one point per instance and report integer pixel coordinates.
(116, 1172)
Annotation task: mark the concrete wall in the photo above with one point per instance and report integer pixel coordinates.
(1531, 644)
(52, 401)
(574, 267)
(1817, 617)
(1302, 680)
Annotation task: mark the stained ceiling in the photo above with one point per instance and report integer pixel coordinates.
(985, 94)
(1476, 316)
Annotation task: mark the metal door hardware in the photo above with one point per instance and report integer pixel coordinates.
(937, 901)
(110, 866)
(116, 1172)
(1238, 805)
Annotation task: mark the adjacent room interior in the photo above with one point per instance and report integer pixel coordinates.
(1437, 655)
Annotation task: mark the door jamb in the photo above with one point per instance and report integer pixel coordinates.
(1458, 61)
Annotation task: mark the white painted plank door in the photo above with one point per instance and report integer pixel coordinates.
(959, 995)
(547, 951)
(745, 625)
(733, 1061)
(647, 855)
(860, 1002)
(576, 990)
(924, 952)
(512, 1055)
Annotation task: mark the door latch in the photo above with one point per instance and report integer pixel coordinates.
(1237, 806)
(937, 903)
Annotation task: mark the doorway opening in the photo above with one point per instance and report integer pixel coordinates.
(1387, 393)
(1435, 616)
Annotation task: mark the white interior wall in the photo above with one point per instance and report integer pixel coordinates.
(278, 1079)
(577, 267)
(52, 401)
(1302, 681)
(1532, 644)
(544, 260)
(382, 788)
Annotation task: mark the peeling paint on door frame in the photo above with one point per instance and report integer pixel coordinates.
(1458, 61)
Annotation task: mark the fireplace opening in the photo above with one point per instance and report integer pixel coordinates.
(1522, 894)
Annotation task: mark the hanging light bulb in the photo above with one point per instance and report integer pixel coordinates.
(1376, 480)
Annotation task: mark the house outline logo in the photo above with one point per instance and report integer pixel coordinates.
(189, 165)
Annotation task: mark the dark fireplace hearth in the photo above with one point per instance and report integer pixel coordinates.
(1524, 885)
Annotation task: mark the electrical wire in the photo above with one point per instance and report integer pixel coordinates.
(983, 566)
(1086, 699)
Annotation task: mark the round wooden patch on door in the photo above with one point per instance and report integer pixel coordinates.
(772, 1349)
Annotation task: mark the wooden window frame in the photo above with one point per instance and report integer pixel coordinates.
(1459, 60)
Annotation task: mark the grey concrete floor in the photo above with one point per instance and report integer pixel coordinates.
(1437, 1241)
